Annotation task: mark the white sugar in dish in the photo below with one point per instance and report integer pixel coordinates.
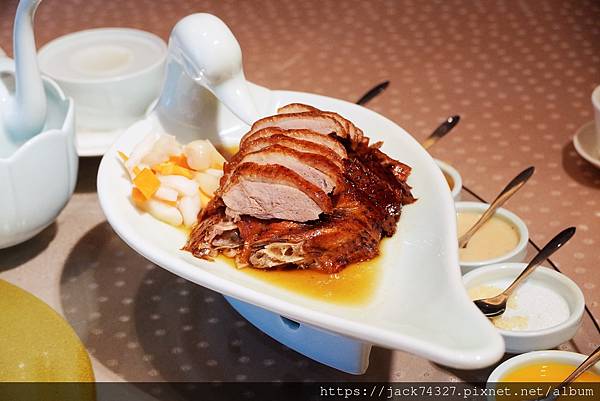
(544, 312)
(530, 307)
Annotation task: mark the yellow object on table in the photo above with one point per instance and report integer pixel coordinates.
(38, 345)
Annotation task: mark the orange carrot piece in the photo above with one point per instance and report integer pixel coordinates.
(147, 182)
(170, 168)
(180, 160)
(137, 196)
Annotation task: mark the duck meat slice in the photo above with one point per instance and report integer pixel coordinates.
(355, 134)
(314, 121)
(272, 192)
(299, 145)
(296, 108)
(302, 134)
(316, 169)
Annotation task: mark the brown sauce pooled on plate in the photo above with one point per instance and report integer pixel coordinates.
(228, 150)
(354, 285)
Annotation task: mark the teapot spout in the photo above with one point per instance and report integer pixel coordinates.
(24, 113)
(210, 55)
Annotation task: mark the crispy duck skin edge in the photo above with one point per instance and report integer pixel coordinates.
(296, 108)
(204, 218)
(339, 129)
(301, 134)
(354, 133)
(278, 175)
(317, 162)
(297, 144)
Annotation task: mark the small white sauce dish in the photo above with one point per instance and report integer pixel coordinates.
(113, 74)
(517, 254)
(502, 274)
(552, 356)
(450, 173)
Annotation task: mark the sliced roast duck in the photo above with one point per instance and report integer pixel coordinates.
(305, 190)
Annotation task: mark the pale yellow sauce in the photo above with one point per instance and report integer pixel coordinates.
(495, 238)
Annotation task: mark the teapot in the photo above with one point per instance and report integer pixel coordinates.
(38, 159)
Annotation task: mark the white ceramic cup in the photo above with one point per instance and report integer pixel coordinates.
(596, 104)
(113, 74)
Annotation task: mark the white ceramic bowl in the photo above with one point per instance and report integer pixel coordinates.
(566, 357)
(117, 94)
(532, 340)
(515, 255)
(454, 175)
(38, 178)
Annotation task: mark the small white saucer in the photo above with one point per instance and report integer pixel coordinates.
(92, 143)
(585, 143)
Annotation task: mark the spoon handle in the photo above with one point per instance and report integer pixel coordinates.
(372, 93)
(585, 365)
(440, 131)
(552, 246)
(506, 193)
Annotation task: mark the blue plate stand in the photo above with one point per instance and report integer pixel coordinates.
(331, 349)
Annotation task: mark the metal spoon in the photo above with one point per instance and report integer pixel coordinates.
(440, 131)
(435, 136)
(506, 193)
(373, 93)
(585, 365)
(496, 306)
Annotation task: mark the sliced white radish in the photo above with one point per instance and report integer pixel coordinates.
(184, 186)
(189, 206)
(162, 211)
(140, 151)
(166, 193)
(198, 154)
(165, 146)
(207, 182)
(216, 172)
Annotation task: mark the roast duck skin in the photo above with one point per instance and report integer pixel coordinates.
(305, 190)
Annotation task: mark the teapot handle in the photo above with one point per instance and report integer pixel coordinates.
(25, 112)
